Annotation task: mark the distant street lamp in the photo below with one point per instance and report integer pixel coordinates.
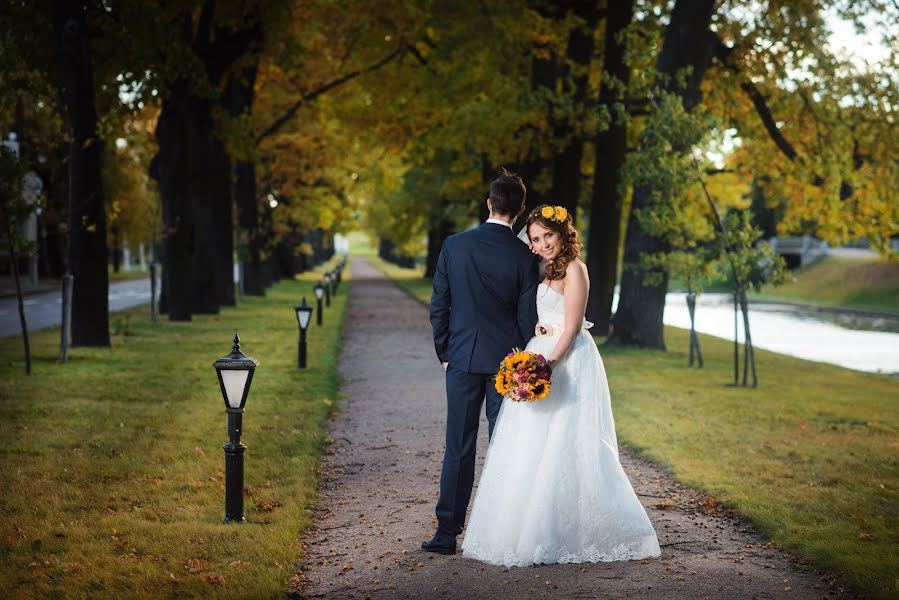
(304, 314)
(235, 374)
(319, 291)
(327, 289)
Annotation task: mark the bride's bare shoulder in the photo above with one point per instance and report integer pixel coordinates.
(577, 268)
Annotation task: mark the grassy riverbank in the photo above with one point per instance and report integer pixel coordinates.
(112, 463)
(856, 283)
(810, 456)
(842, 282)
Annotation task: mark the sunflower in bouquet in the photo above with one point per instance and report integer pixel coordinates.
(523, 376)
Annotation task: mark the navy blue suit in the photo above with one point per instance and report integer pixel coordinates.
(483, 305)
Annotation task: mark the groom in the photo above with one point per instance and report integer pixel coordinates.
(483, 305)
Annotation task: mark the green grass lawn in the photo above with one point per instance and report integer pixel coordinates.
(811, 456)
(128, 275)
(113, 463)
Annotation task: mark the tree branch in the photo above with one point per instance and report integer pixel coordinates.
(288, 115)
(724, 54)
(204, 25)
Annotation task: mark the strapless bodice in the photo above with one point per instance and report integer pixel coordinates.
(551, 307)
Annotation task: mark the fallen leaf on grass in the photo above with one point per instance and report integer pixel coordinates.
(75, 568)
(215, 579)
(239, 563)
(865, 536)
(267, 505)
(194, 565)
(199, 451)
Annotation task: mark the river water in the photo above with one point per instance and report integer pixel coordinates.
(857, 342)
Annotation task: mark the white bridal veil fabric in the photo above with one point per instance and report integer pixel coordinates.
(552, 489)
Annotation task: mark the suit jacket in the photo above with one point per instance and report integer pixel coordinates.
(484, 301)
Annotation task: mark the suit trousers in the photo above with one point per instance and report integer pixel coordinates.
(464, 394)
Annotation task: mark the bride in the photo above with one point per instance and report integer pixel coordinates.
(552, 489)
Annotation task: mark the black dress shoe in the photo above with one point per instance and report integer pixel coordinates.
(438, 547)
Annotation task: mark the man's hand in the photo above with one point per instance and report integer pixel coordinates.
(445, 365)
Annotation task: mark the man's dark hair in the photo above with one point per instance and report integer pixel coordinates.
(507, 193)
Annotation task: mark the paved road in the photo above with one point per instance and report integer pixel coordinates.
(380, 481)
(45, 309)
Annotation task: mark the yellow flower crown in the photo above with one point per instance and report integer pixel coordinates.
(554, 213)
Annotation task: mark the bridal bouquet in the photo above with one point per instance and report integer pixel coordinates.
(523, 376)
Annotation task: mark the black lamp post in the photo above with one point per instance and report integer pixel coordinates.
(319, 291)
(327, 289)
(235, 374)
(304, 314)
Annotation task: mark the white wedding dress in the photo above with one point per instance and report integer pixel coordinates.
(552, 489)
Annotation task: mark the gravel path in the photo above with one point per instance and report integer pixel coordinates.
(380, 480)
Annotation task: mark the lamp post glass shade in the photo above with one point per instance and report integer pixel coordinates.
(304, 314)
(319, 290)
(235, 373)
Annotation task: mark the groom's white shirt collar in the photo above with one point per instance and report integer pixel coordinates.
(500, 222)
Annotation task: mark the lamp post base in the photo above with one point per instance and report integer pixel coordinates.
(301, 351)
(234, 452)
(234, 482)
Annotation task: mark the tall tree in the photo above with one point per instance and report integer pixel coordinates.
(192, 164)
(607, 199)
(239, 94)
(87, 218)
(687, 52)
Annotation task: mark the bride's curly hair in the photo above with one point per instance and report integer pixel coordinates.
(571, 245)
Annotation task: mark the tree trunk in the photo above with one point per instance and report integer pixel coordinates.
(736, 341)
(566, 186)
(688, 44)
(174, 168)
(607, 201)
(87, 218)
(248, 220)
(13, 256)
(748, 350)
(695, 350)
(116, 250)
(212, 217)
(239, 97)
(440, 228)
